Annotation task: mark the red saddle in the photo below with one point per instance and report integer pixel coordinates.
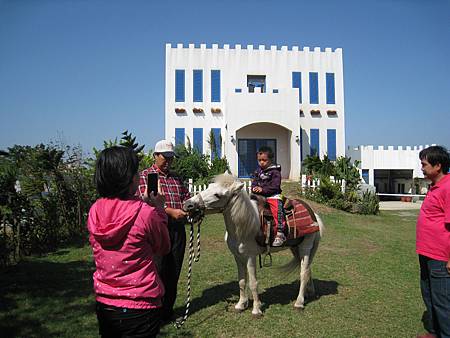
(300, 221)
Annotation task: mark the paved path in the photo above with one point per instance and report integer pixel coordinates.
(398, 205)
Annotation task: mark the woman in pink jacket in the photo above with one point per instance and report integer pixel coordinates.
(125, 234)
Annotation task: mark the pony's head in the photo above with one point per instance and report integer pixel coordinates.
(217, 196)
(225, 195)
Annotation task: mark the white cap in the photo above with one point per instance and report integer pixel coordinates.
(164, 147)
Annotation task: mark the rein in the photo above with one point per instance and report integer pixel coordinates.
(198, 217)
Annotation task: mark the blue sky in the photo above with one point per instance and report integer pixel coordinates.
(85, 70)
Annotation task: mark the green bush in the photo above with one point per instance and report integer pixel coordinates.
(369, 204)
(57, 190)
(189, 163)
(329, 190)
(218, 166)
(52, 205)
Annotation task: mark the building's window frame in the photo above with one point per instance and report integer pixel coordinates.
(330, 84)
(314, 88)
(215, 85)
(331, 144)
(197, 84)
(313, 134)
(180, 136)
(197, 135)
(297, 84)
(180, 85)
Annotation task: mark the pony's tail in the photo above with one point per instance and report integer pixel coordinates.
(294, 263)
(321, 225)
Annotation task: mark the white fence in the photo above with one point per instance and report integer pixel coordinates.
(312, 183)
(305, 182)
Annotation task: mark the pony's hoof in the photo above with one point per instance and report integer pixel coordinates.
(257, 315)
(299, 308)
(236, 310)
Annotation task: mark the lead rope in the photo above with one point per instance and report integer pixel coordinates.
(197, 257)
(180, 323)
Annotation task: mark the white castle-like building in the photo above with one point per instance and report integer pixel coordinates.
(291, 99)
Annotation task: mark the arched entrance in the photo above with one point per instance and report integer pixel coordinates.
(253, 136)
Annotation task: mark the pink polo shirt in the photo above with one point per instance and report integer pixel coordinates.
(433, 223)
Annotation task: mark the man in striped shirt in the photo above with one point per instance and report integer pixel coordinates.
(175, 192)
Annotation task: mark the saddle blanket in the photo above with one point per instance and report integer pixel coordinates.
(300, 221)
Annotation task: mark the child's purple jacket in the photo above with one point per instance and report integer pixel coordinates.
(268, 179)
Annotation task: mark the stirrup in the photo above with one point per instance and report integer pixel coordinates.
(267, 261)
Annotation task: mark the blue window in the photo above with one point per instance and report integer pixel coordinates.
(313, 88)
(297, 83)
(215, 85)
(256, 81)
(331, 144)
(218, 143)
(179, 136)
(330, 89)
(179, 85)
(365, 175)
(198, 85)
(198, 140)
(314, 142)
(237, 90)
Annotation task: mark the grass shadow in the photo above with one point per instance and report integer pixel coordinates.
(36, 287)
(212, 296)
(284, 294)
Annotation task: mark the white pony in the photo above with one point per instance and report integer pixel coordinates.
(226, 195)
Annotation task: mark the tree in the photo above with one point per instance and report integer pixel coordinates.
(214, 144)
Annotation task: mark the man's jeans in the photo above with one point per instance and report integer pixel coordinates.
(435, 287)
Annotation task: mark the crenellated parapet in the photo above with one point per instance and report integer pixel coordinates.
(261, 48)
(388, 148)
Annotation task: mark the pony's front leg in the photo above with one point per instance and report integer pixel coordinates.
(305, 278)
(242, 279)
(253, 285)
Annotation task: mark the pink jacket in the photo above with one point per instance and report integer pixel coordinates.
(124, 235)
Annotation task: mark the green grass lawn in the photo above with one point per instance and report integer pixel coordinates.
(365, 272)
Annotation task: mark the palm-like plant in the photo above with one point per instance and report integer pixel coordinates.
(311, 165)
(347, 171)
(327, 167)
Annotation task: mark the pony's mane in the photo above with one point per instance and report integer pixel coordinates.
(245, 220)
(225, 180)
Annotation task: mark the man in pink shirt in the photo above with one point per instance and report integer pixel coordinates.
(433, 242)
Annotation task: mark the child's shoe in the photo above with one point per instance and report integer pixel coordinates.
(279, 240)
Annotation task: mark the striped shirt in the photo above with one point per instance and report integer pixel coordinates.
(170, 186)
